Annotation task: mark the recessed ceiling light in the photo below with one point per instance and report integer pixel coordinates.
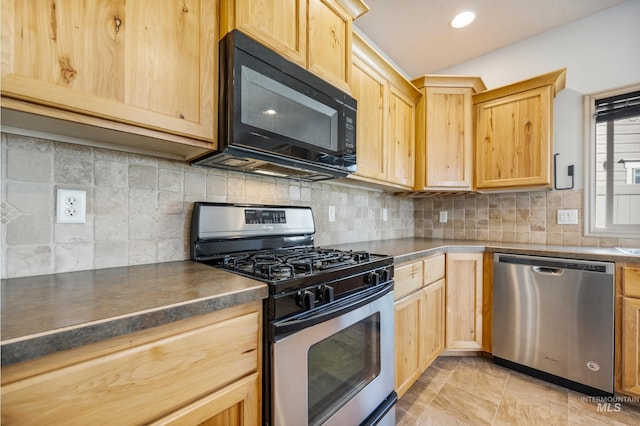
(463, 19)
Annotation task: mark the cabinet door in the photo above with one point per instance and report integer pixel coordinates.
(143, 63)
(137, 378)
(409, 320)
(279, 24)
(434, 322)
(514, 140)
(369, 90)
(329, 53)
(449, 138)
(234, 405)
(464, 301)
(400, 149)
(631, 346)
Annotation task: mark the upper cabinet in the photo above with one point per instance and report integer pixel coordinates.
(140, 67)
(514, 133)
(316, 34)
(444, 132)
(385, 134)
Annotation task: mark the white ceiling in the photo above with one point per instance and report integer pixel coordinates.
(415, 34)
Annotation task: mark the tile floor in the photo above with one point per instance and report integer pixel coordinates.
(474, 391)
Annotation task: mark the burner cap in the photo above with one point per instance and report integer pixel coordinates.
(280, 271)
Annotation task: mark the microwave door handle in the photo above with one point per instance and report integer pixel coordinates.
(280, 329)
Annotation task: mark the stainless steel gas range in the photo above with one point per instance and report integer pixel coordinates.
(328, 350)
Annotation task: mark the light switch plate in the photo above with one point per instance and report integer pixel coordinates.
(443, 216)
(568, 217)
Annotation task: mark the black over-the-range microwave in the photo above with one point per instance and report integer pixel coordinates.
(278, 119)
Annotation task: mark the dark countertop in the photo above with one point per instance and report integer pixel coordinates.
(49, 313)
(407, 249)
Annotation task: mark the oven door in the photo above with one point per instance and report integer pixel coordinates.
(336, 365)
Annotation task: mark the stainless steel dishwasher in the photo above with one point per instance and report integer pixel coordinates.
(553, 319)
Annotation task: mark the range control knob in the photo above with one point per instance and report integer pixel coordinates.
(325, 293)
(306, 300)
(373, 278)
(384, 275)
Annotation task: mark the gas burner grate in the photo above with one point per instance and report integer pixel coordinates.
(283, 263)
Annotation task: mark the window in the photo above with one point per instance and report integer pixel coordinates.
(612, 202)
(633, 170)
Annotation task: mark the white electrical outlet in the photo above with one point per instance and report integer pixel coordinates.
(384, 215)
(71, 206)
(332, 213)
(568, 217)
(443, 216)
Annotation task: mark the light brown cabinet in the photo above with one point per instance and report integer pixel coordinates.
(195, 371)
(514, 133)
(143, 68)
(409, 329)
(313, 33)
(385, 133)
(281, 25)
(370, 89)
(434, 306)
(464, 301)
(630, 333)
(444, 132)
(419, 318)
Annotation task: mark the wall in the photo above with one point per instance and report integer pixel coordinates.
(522, 217)
(600, 52)
(139, 207)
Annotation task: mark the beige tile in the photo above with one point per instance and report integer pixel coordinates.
(523, 201)
(434, 416)
(554, 238)
(416, 401)
(516, 411)
(495, 235)
(572, 199)
(480, 379)
(466, 405)
(571, 239)
(536, 392)
(554, 200)
(143, 176)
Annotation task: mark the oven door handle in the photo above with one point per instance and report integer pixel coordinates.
(285, 327)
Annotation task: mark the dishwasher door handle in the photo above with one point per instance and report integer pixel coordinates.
(547, 270)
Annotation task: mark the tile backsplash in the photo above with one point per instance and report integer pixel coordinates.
(521, 217)
(139, 207)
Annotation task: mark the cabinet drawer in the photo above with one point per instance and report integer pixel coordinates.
(141, 382)
(408, 278)
(631, 281)
(433, 269)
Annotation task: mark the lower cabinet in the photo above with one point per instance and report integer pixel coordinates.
(409, 331)
(203, 370)
(434, 320)
(630, 330)
(419, 318)
(464, 301)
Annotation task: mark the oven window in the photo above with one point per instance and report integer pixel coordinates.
(340, 366)
(272, 106)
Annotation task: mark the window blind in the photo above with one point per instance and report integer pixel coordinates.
(617, 107)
